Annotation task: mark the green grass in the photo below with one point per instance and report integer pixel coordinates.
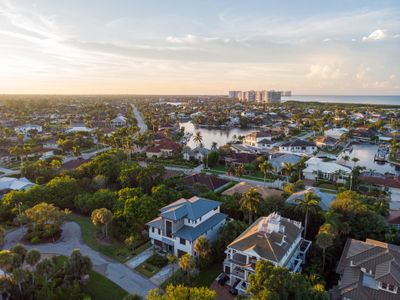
(146, 269)
(101, 288)
(115, 249)
(205, 278)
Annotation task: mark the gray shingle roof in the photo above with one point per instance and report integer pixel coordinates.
(381, 258)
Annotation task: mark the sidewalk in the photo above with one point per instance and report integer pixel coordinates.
(163, 274)
(140, 258)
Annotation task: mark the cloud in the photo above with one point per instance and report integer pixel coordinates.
(324, 71)
(194, 39)
(376, 35)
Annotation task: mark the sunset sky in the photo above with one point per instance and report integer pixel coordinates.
(199, 47)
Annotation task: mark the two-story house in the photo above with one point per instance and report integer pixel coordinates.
(368, 270)
(298, 147)
(275, 239)
(259, 141)
(182, 222)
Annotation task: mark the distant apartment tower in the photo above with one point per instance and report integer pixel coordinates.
(257, 96)
(234, 94)
(274, 97)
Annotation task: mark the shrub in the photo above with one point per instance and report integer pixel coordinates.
(35, 240)
(157, 260)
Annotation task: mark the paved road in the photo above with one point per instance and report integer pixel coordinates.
(7, 172)
(138, 115)
(71, 239)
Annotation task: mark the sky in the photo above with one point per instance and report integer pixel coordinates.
(341, 47)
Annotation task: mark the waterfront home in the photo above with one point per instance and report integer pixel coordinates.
(273, 238)
(243, 187)
(212, 182)
(327, 143)
(260, 141)
(363, 134)
(119, 121)
(298, 147)
(278, 160)
(325, 202)
(163, 148)
(318, 169)
(26, 128)
(182, 222)
(368, 270)
(336, 133)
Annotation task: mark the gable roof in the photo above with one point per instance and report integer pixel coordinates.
(10, 183)
(192, 208)
(382, 259)
(212, 182)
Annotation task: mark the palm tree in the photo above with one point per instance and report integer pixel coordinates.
(288, 169)
(309, 203)
(354, 160)
(325, 239)
(239, 170)
(198, 138)
(250, 202)
(172, 259)
(265, 167)
(202, 247)
(214, 146)
(346, 158)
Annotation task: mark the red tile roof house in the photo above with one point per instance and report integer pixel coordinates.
(212, 182)
(163, 148)
(240, 159)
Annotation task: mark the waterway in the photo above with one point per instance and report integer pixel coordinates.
(220, 136)
(365, 153)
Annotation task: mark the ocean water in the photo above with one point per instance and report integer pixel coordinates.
(388, 100)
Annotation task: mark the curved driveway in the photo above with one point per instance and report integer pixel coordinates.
(71, 238)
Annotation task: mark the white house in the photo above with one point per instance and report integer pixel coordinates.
(298, 147)
(24, 129)
(119, 121)
(182, 222)
(75, 129)
(259, 141)
(198, 153)
(274, 239)
(336, 133)
(317, 169)
(15, 184)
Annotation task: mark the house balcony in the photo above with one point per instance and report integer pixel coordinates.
(303, 249)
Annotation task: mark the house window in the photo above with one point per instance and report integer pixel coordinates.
(182, 241)
(168, 228)
(152, 229)
(159, 231)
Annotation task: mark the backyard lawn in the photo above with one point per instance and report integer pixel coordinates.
(205, 278)
(115, 250)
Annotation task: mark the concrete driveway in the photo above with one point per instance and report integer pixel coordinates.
(71, 239)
